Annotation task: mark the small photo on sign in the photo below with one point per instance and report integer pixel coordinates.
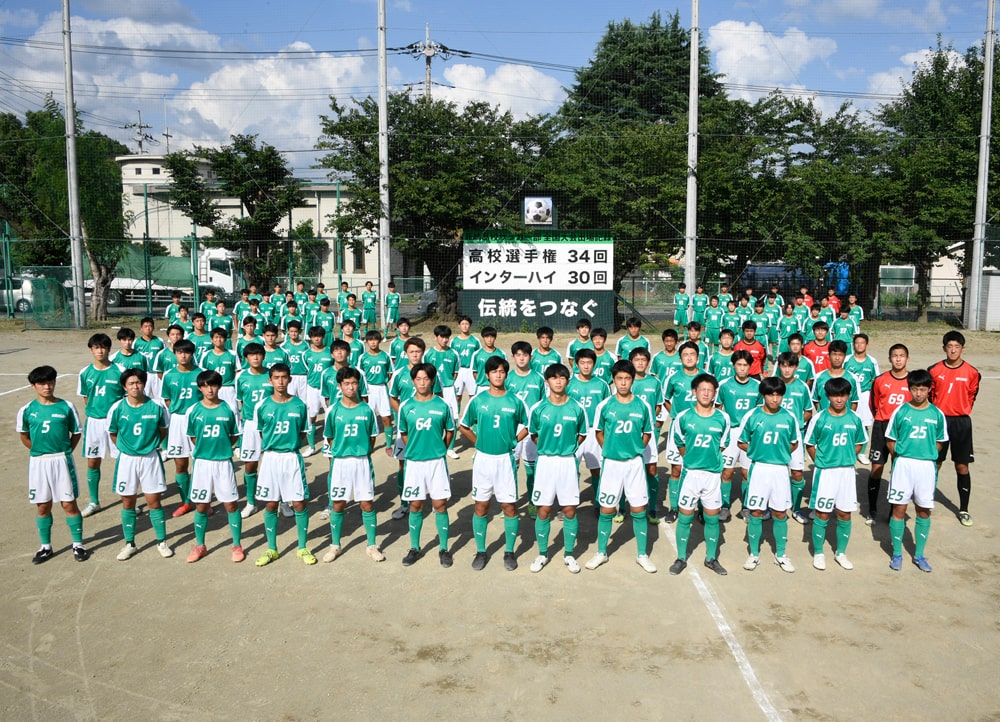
(538, 211)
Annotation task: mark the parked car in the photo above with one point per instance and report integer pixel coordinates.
(427, 304)
(21, 294)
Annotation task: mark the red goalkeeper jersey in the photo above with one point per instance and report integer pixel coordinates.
(954, 390)
(888, 394)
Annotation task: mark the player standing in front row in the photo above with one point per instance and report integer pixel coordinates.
(558, 425)
(623, 427)
(494, 422)
(835, 437)
(100, 386)
(137, 425)
(916, 434)
(890, 390)
(700, 434)
(350, 431)
(770, 434)
(49, 428)
(281, 421)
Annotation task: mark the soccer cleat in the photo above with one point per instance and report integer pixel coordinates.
(597, 560)
(375, 553)
(452, 454)
(714, 565)
(286, 510)
(785, 563)
(744, 514)
(751, 563)
(678, 566)
(479, 561)
(128, 551)
(646, 563)
(82, 554)
(532, 511)
(538, 564)
(669, 516)
(651, 517)
(248, 511)
(572, 564)
(197, 552)
(165, 551)
(819, 561)
(870, 520)
(799, 516)
(964, 518)
(90, 509)
(843, 561)
(725, 515)
(896, 563)
(863, 459)
(238, 554)
(400, 512)
(271, 555)
(182, 510)
(618, 518)
(446, 559)
(324, 515)
(42, 555)
(767, 515)
(922, 564)
(308, 452)
(306, 556)
(509, 561)
(332, 553)
(411, 557)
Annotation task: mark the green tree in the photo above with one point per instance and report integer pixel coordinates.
(256, 174)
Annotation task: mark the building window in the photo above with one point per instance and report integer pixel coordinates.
(138, 171)
(359, 258)
(156, 171)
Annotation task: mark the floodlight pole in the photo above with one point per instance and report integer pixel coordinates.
(691, 219)
(72, 178)
(383, 156)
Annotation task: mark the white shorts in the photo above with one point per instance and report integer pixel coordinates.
(628, 477)
(589, 451)
(913, 479)
(378, 399)
(153, 384)
(426, 478)
(557, 477)
(798, 460)
(704, 485)
(864, 412)
(314, 402)
(208, 477)
(650, 454)
(733, 455)
(672, 453)
(250, 441)
(281, 477)
(297, 386)
(51, 477)
(528, 450)
(178, 443)
(464, 382)
(493, 475)
(399, 448)
(227, 394)
(449, 397)
(352, 478)
(96, 440)
(768, 486)
(139, 473)
(834, 489)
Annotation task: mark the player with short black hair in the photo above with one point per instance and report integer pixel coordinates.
(100, 386)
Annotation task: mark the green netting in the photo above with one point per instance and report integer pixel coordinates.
(48, 299)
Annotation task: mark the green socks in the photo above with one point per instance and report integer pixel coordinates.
(797, 488)
(604, 532)
(921, 529)
(93, 483)
(416, 524)
(542, 529)
(780, 536)
(368, 519)
(529, 478)
(200, 522)
(158, 520)
(184, 486)
(336, 525)
(128, 525)
(755, 527)
(711, 537)
(727, 493)
(251, 483)
(640, 527)
(675, 493)
(653, 489)
(819, 534)
(843, 535)
(510, 526)
(683, 533)
(479, 524)
(235, 526)
(896, 529)
(400, 478)
(75, 524)
(388, 436)
(44, 524)
(570, 529)
(271, 529)
(443, 526)
(302, 527)
(744, 485)
(311, 436)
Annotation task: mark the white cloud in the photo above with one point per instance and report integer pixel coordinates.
(18, 18)
(160, 11)
(521, 89)
(892, 81)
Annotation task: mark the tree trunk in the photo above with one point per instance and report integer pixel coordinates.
(103, 276)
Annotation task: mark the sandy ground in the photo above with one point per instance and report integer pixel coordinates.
(163, 640)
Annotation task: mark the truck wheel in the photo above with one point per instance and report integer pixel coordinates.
(22, 306)
(114, 297)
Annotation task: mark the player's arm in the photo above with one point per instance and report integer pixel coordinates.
(25, 439)
(468, 433)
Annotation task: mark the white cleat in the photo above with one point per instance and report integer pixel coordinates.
(452, 454)
(128, 551)
(332, 553)
(819, 561)
(539, 563)
(248, 511)
(165, 551)
(597, 560)
(647, 565)
(572, 565)
(843, 561)
(785, 563)
(751, 563)
(308, 452)
(286, 510)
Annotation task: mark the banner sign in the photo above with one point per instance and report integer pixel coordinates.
(547, 260)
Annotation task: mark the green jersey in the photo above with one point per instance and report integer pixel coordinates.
(49, 426)
(223, 322)
(212, 431)
(289, 317)
(843, 330)
(137, 428)
(588, 394)
(424, 424)
(350, 430)
(202, 342)
(724, 299)
(165, 360)
(744, 312)
(623, 424)
(819, 393)
(557, 428)
(917, 431)
(342, 304)
(369, 300)
(242, 342)
(186, 326)
(804, 372)
(602, 368)
(309, 311)
(396, 350)
(297, 357)
(856, 314)
(149, 349)
(329, 388)
(732, 321)
(626, 344)
(787, 325)
(277, 355)
(172, 312)
(251, 389)
(392, 304)
(575, 345)
(541, 361)
(479, 365)
(665, 365)
(864, 371)
(773, 313)
(446, 361)
(101, 387)
(356, 352)
(316, 363)
(649, 389)
(351, 314)
(797, 400)
(180, 389)
(682, 301)
(713, 318)
(699, 302)
(721, 366)
(240, 311)
(801, 313)
(530, 387)
(763, 322)
(281, 424)
(703, 438)
(224, 363)
(134, 360)
(738, 399)
(496, 420)
(266, 313)
(835, 438)
(770, 436)
(677, 392)
(376, 368)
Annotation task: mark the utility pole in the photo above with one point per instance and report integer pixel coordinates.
(141, 136)
(383, 156)
(428, 50)
(691, 217)
(166, 134)
(72, 177)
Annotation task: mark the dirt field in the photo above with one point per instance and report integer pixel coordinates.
(164, 640)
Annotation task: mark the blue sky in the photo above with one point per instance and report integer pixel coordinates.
(206, 70)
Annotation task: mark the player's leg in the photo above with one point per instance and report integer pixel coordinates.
(687, 502)
(923, 500)
(780, 501)
(756, 500)
(202, 486)
(878, 454)
(269, 492)
(901, 491)
(610, 488)
(40, 491)
(482, 493)
(179, 449)
(504, 473)
(157, 519)
(636, 490)
(250, 456)
(673, 457)
(542, 497)
(295, 491)
(960, 437)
